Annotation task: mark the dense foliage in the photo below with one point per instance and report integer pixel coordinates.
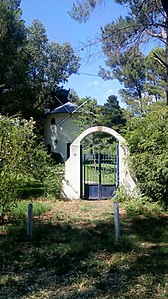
(12, 39)
(145, 20)
(148, 142)
(32, 68)
(111, 114)
(142, 76)
(22, 160)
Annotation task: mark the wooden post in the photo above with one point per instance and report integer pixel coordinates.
(116, 221)
(30, 221)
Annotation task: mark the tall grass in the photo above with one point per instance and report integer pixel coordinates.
(20, 211)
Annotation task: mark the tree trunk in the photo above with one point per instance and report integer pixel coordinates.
(1, 99)
(165, 7)
(167, 73)
(167, 60)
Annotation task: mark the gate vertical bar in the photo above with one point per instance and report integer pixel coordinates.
(99, 173)
(84, 176)
(116, 167)
(115, 170)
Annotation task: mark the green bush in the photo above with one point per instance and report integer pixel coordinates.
(147, 137)
(53, 180)
(142, 206)
(121, 195)
(21, 159)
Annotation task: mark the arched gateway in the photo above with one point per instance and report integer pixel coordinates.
(71, 185)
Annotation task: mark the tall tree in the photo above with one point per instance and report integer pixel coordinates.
(12, 38)
(142, 77)
(50, 64)
(145, 20)
(111, 114)
(39, 72)
(130, 71)
(155, 75)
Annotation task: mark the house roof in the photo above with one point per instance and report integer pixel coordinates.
(66, 108)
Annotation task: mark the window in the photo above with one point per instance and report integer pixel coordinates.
(53, 121)
(68, 150)
(48, 148)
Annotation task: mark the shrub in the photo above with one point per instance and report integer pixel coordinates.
(53, 180)
(20, 156)
(147, 137)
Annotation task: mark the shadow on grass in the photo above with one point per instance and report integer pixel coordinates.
(62, 255)
(31, 189)
(151, 229)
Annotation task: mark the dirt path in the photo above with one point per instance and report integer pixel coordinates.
(80, 209)
(80, 214)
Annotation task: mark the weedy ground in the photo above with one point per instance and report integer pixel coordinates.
(73, 254)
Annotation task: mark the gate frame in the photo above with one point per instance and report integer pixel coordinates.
(99, 184)
(71, 183)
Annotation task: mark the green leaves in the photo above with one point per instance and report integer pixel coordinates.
(82, 9)
(31, 67)
(50, 64)
(148, 142)
(111, 114)
(20, 157)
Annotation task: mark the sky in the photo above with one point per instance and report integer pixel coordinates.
(60, 27)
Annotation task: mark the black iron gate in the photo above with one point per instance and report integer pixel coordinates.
(99, 174)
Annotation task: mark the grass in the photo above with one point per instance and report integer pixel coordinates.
(73, 254)
(87, 207)
(20, 211)
(107, 173)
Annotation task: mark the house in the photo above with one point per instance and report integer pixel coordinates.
(61, 129)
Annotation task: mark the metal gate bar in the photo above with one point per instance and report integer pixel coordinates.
(99, 175)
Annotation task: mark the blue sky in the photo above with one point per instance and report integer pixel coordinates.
(60, 27)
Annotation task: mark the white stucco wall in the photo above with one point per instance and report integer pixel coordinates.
(71, 181)
(61, 133)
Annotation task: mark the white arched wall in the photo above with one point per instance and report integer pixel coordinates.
(71, 181)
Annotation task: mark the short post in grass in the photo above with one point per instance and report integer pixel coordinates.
(116, 221)
(30, 221)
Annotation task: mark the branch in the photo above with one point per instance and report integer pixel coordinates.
(163, 25)
(160, 60)
(153, 34)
